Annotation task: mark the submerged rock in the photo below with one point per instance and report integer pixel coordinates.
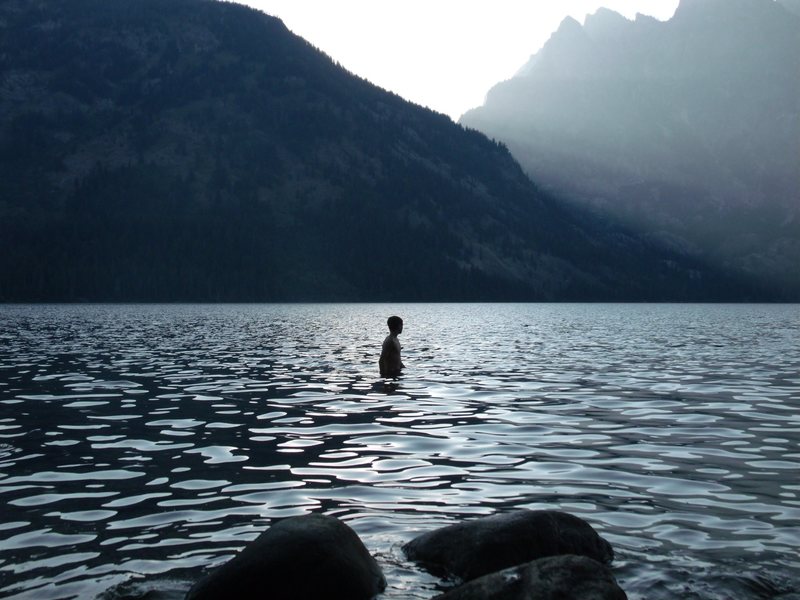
(553, 578)
(474, 548)
(312, 556)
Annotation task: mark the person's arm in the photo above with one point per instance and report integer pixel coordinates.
(396, 355)
(384, 362)
(382, 365)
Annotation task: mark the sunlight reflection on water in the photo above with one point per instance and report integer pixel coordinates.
(153, 441)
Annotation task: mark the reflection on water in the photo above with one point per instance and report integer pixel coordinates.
(141, 444)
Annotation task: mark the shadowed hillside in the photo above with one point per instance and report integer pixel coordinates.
(197, 150)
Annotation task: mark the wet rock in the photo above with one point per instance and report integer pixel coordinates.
(474, 548)
(312, 556)
(565, 577)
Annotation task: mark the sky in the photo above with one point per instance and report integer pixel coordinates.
(443, 54)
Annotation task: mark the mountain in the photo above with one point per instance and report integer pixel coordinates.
(194, 150)
(686, 130)
(791, 5)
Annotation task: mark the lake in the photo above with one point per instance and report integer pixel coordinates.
(141, 444)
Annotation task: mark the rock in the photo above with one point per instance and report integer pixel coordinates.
(474, 548)
(312, 556)
(563, 577)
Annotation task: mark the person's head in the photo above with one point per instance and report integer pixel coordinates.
(395, 324)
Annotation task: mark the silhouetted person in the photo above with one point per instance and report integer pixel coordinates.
(390, 363)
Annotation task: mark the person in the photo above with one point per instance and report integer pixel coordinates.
(390, 364)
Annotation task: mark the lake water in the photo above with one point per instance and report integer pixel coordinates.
(141, 444)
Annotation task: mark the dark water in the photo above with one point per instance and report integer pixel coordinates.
(141, 444)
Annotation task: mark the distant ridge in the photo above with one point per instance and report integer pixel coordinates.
(191, 150)
(686, 130)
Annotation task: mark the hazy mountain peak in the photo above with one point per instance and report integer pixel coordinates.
(568, 26)
(605, 22)
(564, 52)
(642, 19)
(569, 36)
(688, 128)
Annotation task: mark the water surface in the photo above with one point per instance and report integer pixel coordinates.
(140, 445)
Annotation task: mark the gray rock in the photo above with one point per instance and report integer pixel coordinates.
(564, 577)
(474, 548)
(312, 556)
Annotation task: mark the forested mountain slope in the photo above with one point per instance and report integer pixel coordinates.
(193, 150)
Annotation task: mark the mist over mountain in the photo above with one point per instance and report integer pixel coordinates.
(687, 130)
(197, 150)
(791, 5)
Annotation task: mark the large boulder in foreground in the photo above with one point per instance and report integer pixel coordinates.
(554, 578)
(474, 548)
(307, 557)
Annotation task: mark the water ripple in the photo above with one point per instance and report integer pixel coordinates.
(141, 444)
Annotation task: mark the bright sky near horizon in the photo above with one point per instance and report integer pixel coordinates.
(443, 54)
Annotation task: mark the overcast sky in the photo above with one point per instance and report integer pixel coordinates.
(443, 54)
